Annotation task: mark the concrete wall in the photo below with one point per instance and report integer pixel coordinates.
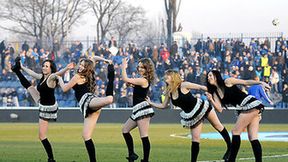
(121, 115)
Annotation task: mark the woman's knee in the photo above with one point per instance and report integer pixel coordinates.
(236, 131)
(195, 138)
(124, 130)
(41, 136)
(86, 136)
(218, 126)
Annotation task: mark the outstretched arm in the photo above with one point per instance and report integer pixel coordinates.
(159, 105)
(31, 72)
(233, 81)
(70, 84)
(98, 58)
(68, 67)
(190, 85)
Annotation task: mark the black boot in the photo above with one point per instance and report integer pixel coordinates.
(16, 66)
(110, 76)
(226, 155)
(111, 72)
(227, 139)
(51, 160)
(132, 157)
(144, 161)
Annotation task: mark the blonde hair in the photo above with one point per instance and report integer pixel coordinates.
(175, 82)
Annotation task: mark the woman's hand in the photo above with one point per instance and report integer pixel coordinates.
(209, 96)
(71, 66)
(148, 100)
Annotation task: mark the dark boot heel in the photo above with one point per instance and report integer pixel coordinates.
(16, 66)
(226, 155)
(132, 157)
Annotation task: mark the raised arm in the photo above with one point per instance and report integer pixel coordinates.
(68, 67)
(98, 58)
(70, 84)
(31, 72)
(159, 105)
(135, 81)
(233, 81)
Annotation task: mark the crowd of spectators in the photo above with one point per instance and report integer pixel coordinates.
(232, 57)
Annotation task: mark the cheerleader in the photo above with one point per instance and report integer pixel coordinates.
(43, 95)
(248, 108)
(142, 111)
(83, 83)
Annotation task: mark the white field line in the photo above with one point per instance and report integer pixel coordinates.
(250, 158)
(240, 159)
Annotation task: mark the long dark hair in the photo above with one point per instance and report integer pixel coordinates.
(220, 82)
(150, 69)
(52, 65)
(88, 73)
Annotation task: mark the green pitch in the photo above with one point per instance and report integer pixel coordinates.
(19, 143)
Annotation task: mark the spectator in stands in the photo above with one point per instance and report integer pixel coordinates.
(259, 93)
(112, 42)
(83, 82)
(274, 80)
(25, 46)
(195, 110)
(142, 112)
(249, 109)
(285, 96)
(2, 53)
(44, 95)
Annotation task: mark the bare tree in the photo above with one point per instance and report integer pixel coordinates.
(175, 13)
(149, 33)
(63, 15)
(105, 11)
(128, 20)
(172, 11)
(41, 18)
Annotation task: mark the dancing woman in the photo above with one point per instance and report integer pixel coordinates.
(248, 107)
(83, 83)
(142, 111)
(195, 110)
(43, 95)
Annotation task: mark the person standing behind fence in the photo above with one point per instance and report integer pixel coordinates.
(83, 83)
(142, 111)
(249, 109)
(195, 110)
(44, 95)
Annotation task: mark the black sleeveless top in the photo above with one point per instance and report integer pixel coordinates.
(232, 95)
(185, 101)
(139, 94)
(80, 90)
(46, 93)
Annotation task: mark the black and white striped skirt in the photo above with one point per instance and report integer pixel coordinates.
(196, 115)
(249, 103)
(48, 112)
(141, 111)
(84, 104)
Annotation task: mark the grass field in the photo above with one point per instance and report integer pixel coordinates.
(19, 143)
